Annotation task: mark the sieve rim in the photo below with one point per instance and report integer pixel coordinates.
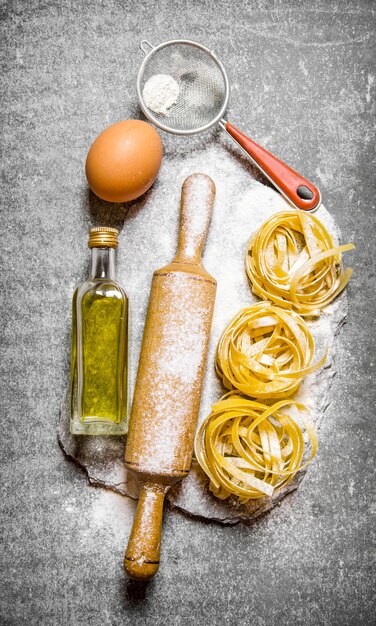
(150, 115)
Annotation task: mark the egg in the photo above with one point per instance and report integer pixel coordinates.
(124, 160)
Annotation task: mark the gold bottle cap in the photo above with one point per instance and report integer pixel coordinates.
(103, 237)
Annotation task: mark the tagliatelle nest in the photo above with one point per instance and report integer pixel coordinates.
(265, 352)
(293, 261)
(250, 450)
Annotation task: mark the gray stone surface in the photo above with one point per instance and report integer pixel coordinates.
(303, 82)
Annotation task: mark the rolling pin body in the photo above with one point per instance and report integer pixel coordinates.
(170, 375)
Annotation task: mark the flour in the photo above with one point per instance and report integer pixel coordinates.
(160, 93)
(148, 241)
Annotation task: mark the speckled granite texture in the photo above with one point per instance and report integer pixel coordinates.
(303, 82)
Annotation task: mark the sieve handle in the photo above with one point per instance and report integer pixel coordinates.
(297, 190)
(146, 46)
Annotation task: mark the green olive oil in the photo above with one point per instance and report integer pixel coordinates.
(99, 358)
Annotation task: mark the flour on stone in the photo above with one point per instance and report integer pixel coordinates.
(148, 241)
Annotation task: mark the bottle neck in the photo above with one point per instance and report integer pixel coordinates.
(103, 263)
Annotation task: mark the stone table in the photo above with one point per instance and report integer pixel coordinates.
(303, 83)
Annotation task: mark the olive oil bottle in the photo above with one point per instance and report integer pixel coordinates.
(99, 357)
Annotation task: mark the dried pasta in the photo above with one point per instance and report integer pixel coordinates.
(265, 351)
(293, 261)
(250, 450)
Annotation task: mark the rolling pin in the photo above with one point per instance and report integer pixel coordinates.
(170, 376)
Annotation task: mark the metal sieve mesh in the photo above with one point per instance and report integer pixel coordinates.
(203, 86)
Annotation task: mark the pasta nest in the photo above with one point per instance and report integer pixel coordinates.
(293, 261)
(250, 450)
(265, 352)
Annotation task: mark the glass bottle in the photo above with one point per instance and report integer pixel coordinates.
(99, 357)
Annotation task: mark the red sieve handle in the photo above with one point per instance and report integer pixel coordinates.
(295, 188)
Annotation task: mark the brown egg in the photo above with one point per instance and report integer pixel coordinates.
(124, 161)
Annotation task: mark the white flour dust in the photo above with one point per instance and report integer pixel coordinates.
(160, 93)
(149, 238)
(148, 241)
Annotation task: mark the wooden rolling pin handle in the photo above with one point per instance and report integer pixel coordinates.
(197, 199)
(141, 560)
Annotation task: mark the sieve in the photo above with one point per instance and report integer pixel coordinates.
(202, 101)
